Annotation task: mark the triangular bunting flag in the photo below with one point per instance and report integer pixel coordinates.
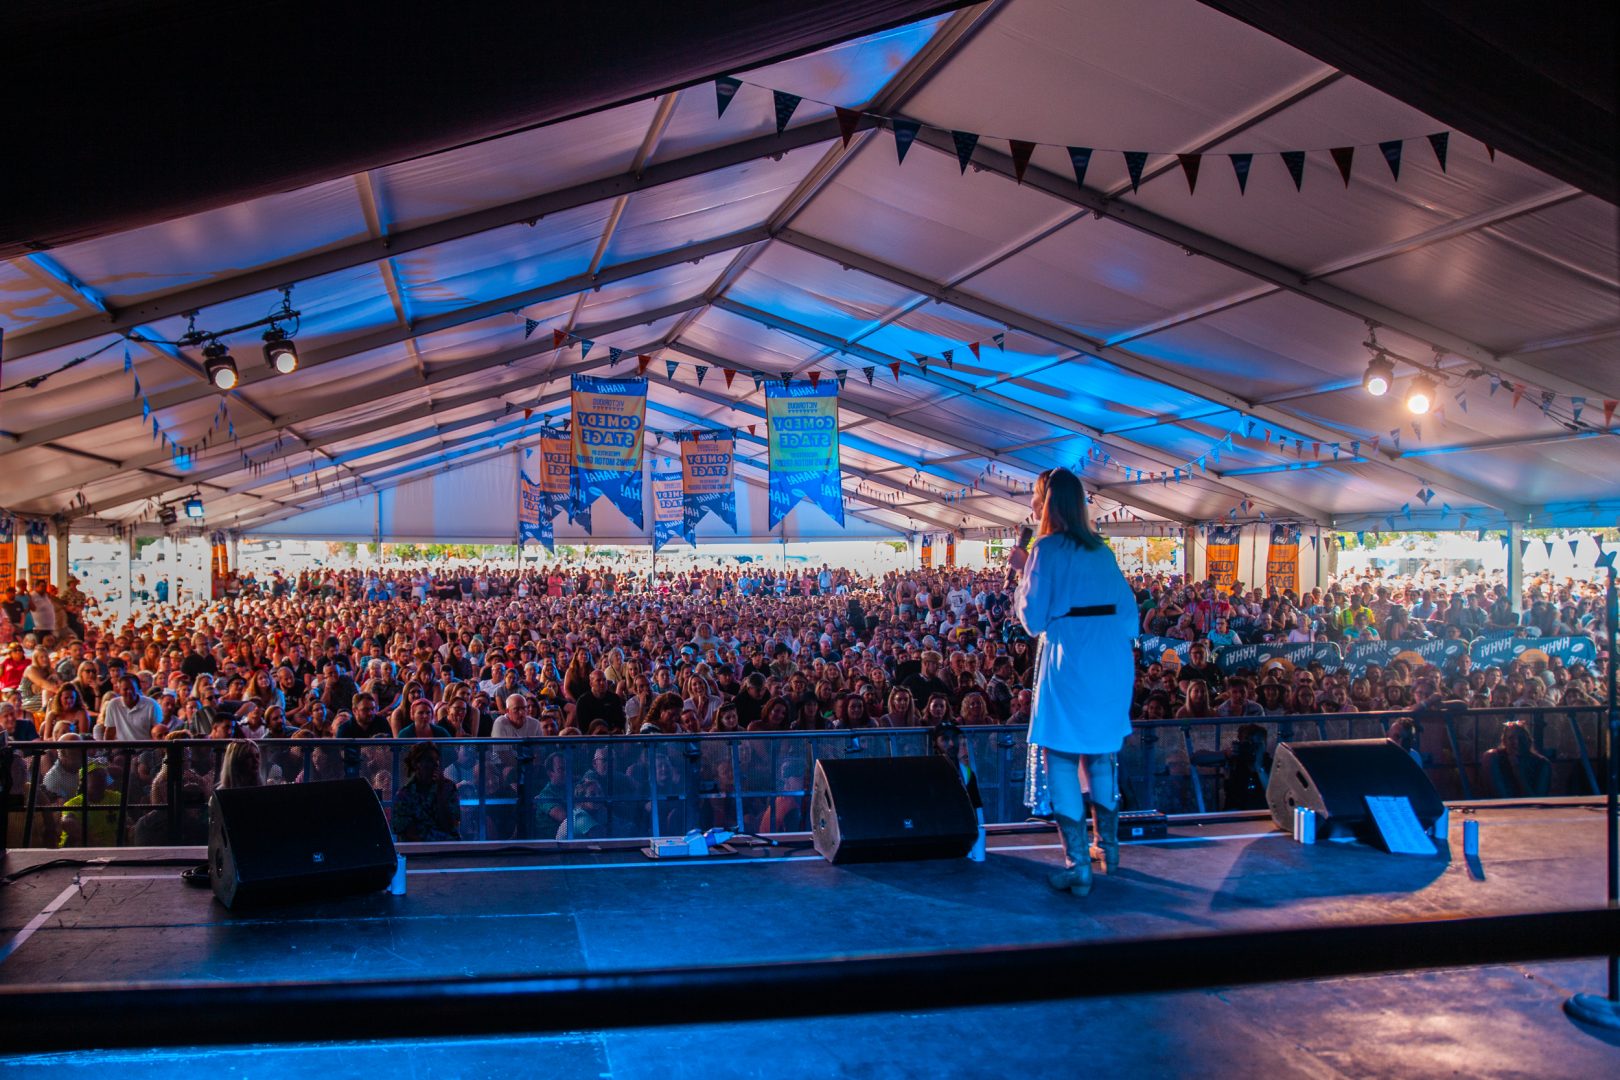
(1295, 161)
(966, 142)
(895, 368)
(973, 347)
(558, 337)
(1578, 404)
(1080, 159)
(669, 368)
(1000, 341)
(753, 429)
(1608, 412)
(815, 379)
(701, 371)
(1491, 150)
(1342, 157)
(129, 363)
(1518, 392)
(950, 357)
(785, 104)
(1135, 161)
(614, 355)
(848, 121)
(1241, 164)
(759, 380)
(641, 363)
(1524, 547)
(1189, 165)
(1574, 543)
(1021, 152)
(905, 132)
(869, 372)
(529, 326)
(1392, 154)
(1548, 544)
(585, 348)
(842, 375)
(1439, 140)
(527, 414)
(725, 88)
(729, 373)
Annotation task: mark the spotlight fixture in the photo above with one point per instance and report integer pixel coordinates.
(220, 367)
(166, 515)
(194, 508)
(1420, 397)
(1380, 374)
(279, 351)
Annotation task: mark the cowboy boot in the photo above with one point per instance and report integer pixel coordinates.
(1107, 846)
(1076, 875)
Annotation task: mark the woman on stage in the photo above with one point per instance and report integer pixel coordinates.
(1072, 596)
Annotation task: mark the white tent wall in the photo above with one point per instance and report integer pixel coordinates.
(477, 503)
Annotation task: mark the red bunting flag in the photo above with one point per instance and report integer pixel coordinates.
(1189, 165)
(895, 368)
(527, 413)
(1342, 157)
(1021, 152)
(848, 121)
(973, 347)
(641, 363)
(815, 379)
(752, 429)
(729, 373)
(558, 337)
(1518, 392)
(1608, 412)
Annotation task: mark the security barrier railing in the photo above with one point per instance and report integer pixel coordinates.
(110, 794)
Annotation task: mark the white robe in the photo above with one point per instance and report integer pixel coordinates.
(1085, 671)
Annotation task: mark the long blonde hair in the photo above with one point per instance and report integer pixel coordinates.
(1062, 498)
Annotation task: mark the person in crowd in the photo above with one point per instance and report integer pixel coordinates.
(1514, 767)
(1248, 769)
(426, 807)
(1072, 595)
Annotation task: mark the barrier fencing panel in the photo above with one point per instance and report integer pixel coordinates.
(111, 794)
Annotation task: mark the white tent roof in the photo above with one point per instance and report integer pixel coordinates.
(1143, 330)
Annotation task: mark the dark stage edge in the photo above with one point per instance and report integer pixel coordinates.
(601, 911)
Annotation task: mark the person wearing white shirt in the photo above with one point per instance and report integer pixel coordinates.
(129, 716)
(517, 722)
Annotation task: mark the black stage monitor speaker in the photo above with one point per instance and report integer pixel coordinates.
(297, 842)
(882, 809)
(1334, 779)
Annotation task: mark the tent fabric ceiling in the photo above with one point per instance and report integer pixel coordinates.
(250, 97)
(1197, 355)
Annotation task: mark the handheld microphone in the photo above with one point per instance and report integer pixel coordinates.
(1025, 535)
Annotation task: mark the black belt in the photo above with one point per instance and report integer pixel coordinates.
(1087, 612)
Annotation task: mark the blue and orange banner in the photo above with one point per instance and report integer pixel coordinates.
(534, 524)
(609, 421)
(8, 551)
(1282, 560)
(39, 552)
(802, 426)
(708, 478)
(669, 511)
(1221, 554)
(950, 550)
(926, 554)
(556, 467)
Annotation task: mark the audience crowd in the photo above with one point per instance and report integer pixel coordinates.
(481, 652)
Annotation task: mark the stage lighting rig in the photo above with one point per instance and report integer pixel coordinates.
(219, 365)
(1380, 375)
(1420, 395)
(194, 507)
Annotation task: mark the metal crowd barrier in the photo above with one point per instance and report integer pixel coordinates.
(755, 782)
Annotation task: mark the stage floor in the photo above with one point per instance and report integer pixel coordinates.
(611, 909)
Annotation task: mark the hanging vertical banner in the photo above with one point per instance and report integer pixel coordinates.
(927, 552)
(1282, 560)
(534, 524)
(802, 435)
(669, 511)
(708, 478)
(39, 552)
(609, 416)
(950, 550)
(218, 564)
(8, 551)
(1221, 554)
(556, 466)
